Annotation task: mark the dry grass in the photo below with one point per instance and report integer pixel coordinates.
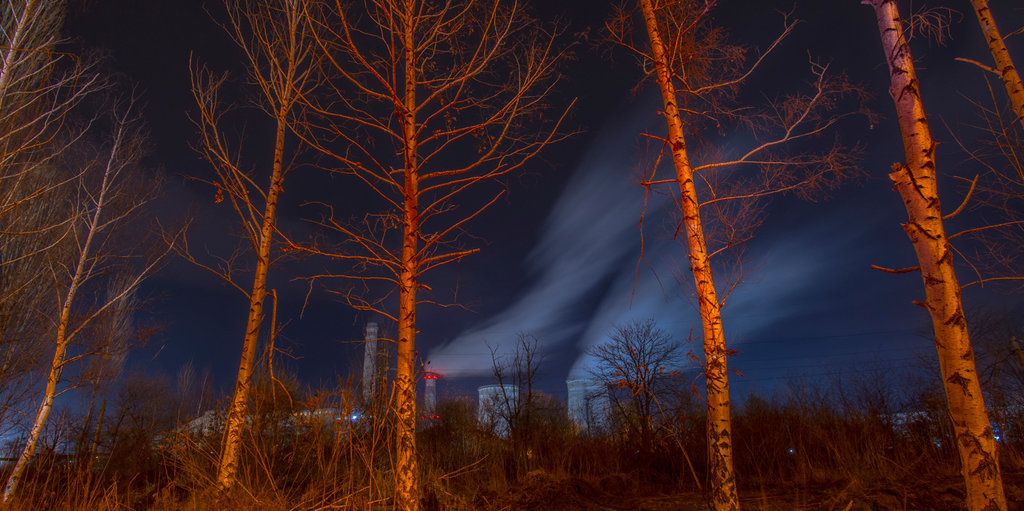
(795, 451)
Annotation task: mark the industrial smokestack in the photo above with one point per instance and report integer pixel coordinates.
(370, 361)
(430, 395)
(495, 404)
(589, 404)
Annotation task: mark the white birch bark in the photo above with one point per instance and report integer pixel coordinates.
(278, 54)
(724, 496)
(228, 467)
(1004, 64)
(84, 270)
(916, 183)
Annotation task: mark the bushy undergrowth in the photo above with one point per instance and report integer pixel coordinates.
(328, 450)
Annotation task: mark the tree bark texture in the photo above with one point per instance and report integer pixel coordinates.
(406, 483)
(916, 183)
(724, 495)
(1004, 65)
(228, 467)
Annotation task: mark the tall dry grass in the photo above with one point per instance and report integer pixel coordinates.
(326, 449)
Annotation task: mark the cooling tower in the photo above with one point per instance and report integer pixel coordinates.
(494, 405)
(370, 361)
(430, 395)
(589, 404)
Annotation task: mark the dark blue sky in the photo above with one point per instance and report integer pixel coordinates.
(558, 254)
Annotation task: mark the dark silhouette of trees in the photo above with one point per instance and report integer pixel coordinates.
(519, 410)
(640, 360)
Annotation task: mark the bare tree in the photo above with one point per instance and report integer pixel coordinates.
(916, 182)
(518, 409)
(39, 86)
(281, 62)
(989, 242)
(103, 271)
(1004, 69)
(640, 359)
(721, 196)
(519, 369)
(431, 100)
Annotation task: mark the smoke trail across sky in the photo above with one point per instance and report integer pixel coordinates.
(585, 278)
(589, 236)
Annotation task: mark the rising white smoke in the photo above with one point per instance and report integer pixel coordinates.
(588, 255)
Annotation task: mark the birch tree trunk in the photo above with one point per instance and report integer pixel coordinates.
(82, 272)
(916, 183)
(1004, 65)
(723, 496)
(276, 42)
(228, 467)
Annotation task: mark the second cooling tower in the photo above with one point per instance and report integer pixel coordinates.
(589, 404)
(495, 403)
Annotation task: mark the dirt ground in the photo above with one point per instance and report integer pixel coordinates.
(542, 491)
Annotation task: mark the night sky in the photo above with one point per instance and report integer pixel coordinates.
(559, 253)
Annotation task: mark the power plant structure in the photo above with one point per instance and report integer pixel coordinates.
(371, 358)
(589, 400)
(495, 403)
(589, 404)
(430, 395)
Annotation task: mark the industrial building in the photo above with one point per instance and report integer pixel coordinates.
(494, 405)
(589, 405)
(430, 395)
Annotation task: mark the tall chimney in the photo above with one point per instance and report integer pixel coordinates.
(370, 361)
(430, 395)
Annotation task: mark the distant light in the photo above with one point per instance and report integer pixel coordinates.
(355, 416)
(791, 450)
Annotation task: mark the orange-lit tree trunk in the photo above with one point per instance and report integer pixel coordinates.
(276, 43)
(1004, 64)
(721, 197)
(448, 97)
(239, 402)
(719, 423)
(406, 472)
(916, 183)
